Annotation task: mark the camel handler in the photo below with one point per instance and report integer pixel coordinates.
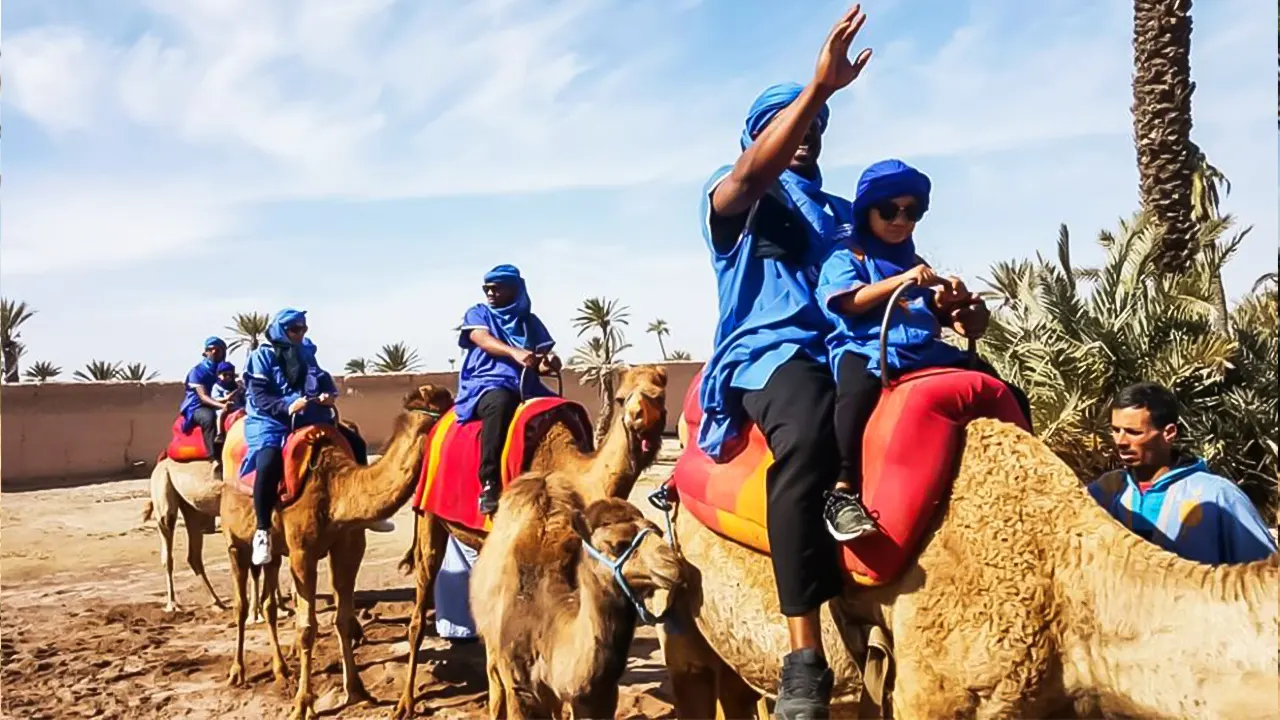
(198, 405)
(768, 225)
(502, 338)
(1168, 496)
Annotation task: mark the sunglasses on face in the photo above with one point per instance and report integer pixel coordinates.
(889, 211)
(293, 329)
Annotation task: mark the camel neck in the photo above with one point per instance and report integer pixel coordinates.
(360, 494)
(605, 620)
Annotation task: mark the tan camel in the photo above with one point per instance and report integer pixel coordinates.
(338, 500)
(193, 489)
(1027, 600)
(556, 624)
(630, 446)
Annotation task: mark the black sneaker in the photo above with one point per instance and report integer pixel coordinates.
(846, 517)
(805, 693)
(489, 498)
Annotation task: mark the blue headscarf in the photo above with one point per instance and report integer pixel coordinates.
(212, 341)
(883, 181)
(514, 317)
(294, 357)
(225, 366)
(765, 108)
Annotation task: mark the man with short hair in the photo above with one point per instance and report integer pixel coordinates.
(1169, 497)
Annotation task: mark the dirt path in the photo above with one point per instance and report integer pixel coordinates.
(83, 632)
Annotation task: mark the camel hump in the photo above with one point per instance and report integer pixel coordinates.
(449, 483)
(911, 449)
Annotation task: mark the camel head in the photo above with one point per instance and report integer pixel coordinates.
(641, 403)
(619, 541)
(430, 399)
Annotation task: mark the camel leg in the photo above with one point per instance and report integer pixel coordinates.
(240, 561)
(344, 564)
(518, 708)
(165, 506)
(497, 693)
(270, 585)
(304, 583)
(255, 615)
(428, 548)
(703, 685)
(196, 522)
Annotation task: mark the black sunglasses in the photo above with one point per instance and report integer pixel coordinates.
(296, 329)
(889, 211)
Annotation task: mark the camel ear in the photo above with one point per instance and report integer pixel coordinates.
(579, 522)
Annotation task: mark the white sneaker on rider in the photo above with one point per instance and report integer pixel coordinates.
(261, 547)
(382, 526)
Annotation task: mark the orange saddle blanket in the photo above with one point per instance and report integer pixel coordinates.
(297, 452)
(184, 446)
(449, 485)
(910, 455)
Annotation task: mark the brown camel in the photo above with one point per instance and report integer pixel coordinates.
(338, 500)
(1027, 600)
(556, 624)
(630, 446)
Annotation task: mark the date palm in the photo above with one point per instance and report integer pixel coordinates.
(357, 366)
(137, 372)
(248, 330)
(598, 359)
(396, 358)
(13, 315)
(42, 370)
(1162, 90)
(98, 371)
(659, 328)
(679, 355)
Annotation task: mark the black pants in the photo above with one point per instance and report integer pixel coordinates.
(270, 468)
(794, 412)
(207, 418)
(858, 391)
(495, 410)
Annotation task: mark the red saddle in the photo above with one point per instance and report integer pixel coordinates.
(449, 484)
(911, 451)
(184, 446)
(298, 449)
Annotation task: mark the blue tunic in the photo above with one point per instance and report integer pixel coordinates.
(482, 372)
(1188, 511)
(201, 375)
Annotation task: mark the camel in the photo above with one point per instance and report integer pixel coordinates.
(193, 489)
(1027, 600)
(638, 419)
(556, 624)
(337, 502)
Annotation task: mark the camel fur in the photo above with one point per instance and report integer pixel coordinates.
(556, 625)
(630, 446)
(1027, 600)
(339, 498)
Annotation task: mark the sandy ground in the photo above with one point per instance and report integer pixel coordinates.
(83, 631)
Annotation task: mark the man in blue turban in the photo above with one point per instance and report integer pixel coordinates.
(768, 224)
(507, 348)
(199, 408)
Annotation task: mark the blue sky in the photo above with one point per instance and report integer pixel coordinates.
(172, 162)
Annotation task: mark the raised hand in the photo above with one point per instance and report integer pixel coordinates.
(835, 70)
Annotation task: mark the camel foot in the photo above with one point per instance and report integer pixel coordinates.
(235, 678)
(172, 607)
(356, 696)
(404, 708)
(218, 604)
(303, 711)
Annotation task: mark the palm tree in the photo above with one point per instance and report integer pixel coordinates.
(248, 330)
(357, 366)
(98, 371)
(1073, 336)
(42, 370)
(137, 372)
(659, 328)
(12, 316)
(396, 358)
(598, 359)
(679, 355)
(452, 362)
(1162, 90)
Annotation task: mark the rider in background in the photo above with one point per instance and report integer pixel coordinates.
(502, 338)
(229, 391)
(768, 224)
(199, 407)
(876, 258)
(287, 390)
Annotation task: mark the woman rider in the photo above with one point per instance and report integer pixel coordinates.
(768, 225)
(287, 390)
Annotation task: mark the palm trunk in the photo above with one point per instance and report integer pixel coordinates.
(1162, 90)
(11, 362)
(662, 348)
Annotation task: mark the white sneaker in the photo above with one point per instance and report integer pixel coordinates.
(382, 526)
(261, 547)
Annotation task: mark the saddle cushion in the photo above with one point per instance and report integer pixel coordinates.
(298, 450)
(230, 419)
(449, 483)
(911, 451)
(186, 447)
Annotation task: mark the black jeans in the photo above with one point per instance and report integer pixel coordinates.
(495, 409)
(270, 468)
(794, 412)
(858, 391)
(207, 418)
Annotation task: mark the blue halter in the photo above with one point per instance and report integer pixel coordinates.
(646, 617)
